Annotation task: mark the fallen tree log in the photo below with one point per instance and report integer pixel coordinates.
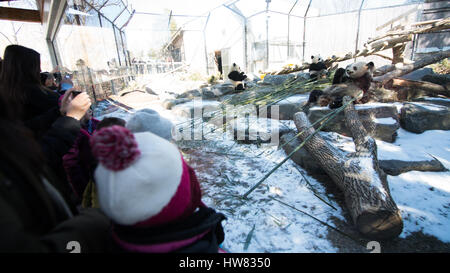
(418, 28)
(358, 176)
(369, 49)
(407, 68)
(426, 87)
(392, 39)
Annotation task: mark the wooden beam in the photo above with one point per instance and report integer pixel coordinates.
(24, 15)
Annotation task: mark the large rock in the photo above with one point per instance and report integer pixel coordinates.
(390, 167)
(286, 108)
(397, 167)
(246, 96)
(190, 94)
(218, 90)
(420, 117)
(253, 130)
(170, 103)
(222, 89)
(440, 79)
(277, 79)
(150, 91)
(191, 109)
(418, 74)
(380, 120)
(434, 100)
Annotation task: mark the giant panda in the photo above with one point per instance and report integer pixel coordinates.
(317, 67)
(360, 73)
(346, 82)
(236, 76)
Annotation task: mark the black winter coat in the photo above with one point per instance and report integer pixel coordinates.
(40, 109)
(36, 213)
(204, 225)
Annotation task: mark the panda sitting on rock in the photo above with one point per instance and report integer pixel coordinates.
(317, 68)
(236, 76)
(346, 82)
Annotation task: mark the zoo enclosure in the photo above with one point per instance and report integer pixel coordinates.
(261, 35)
(105, 43)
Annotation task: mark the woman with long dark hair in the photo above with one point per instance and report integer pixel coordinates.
(55, 128)
(21, 83)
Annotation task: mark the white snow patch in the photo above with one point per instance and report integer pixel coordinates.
(389, 120)
(424, 201)
(372, 105)
(422, 197)
(416, 147)
(407, 147)
(431, 107)
(295, 99)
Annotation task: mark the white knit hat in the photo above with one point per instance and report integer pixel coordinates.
(139, 179)
(148, 120)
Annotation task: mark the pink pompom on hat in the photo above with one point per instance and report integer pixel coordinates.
(142, 179)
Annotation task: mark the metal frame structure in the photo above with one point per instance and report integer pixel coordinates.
(53, 10)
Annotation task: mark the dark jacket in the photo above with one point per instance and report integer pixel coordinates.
(79, 163)
(35, 216)
(40, 109)
(54, 132)
(31, 221)
(201, 232)
(55, 143)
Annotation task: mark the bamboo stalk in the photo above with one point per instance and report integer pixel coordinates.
(320, 221)
(337, 111)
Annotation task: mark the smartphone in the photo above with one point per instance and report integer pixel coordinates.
(75, 93)
(66, 86)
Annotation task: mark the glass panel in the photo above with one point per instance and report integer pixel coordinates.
(19, 4)
(283, 6)
(370, 4)
(340, 35)
(96, 4)
(112, 9)
(30, 35)
(80, 37)
(327, 7)
(300, 8)
(120, 47)
(248, 8)
(122, 19)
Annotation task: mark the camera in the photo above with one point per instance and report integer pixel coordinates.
(75, 93)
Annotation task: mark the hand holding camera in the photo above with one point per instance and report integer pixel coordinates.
(75, 104)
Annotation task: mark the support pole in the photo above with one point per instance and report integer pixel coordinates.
(204, 41)
(289, 29)
(266, 65)
(304, 30)
(357, 29)
(235, 10)
(245, 45)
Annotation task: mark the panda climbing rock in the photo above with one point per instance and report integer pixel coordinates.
(236, 77)
(346, 82)
(317, 67)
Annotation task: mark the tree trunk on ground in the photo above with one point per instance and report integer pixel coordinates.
(391, 39)
(367, 51)
(398, 53)
(407, 68)
(363, 183)
(425, 87)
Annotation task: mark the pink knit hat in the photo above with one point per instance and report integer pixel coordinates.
(142, 179)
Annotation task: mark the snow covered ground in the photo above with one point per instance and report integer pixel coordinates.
(422, 197)
(227, 170)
